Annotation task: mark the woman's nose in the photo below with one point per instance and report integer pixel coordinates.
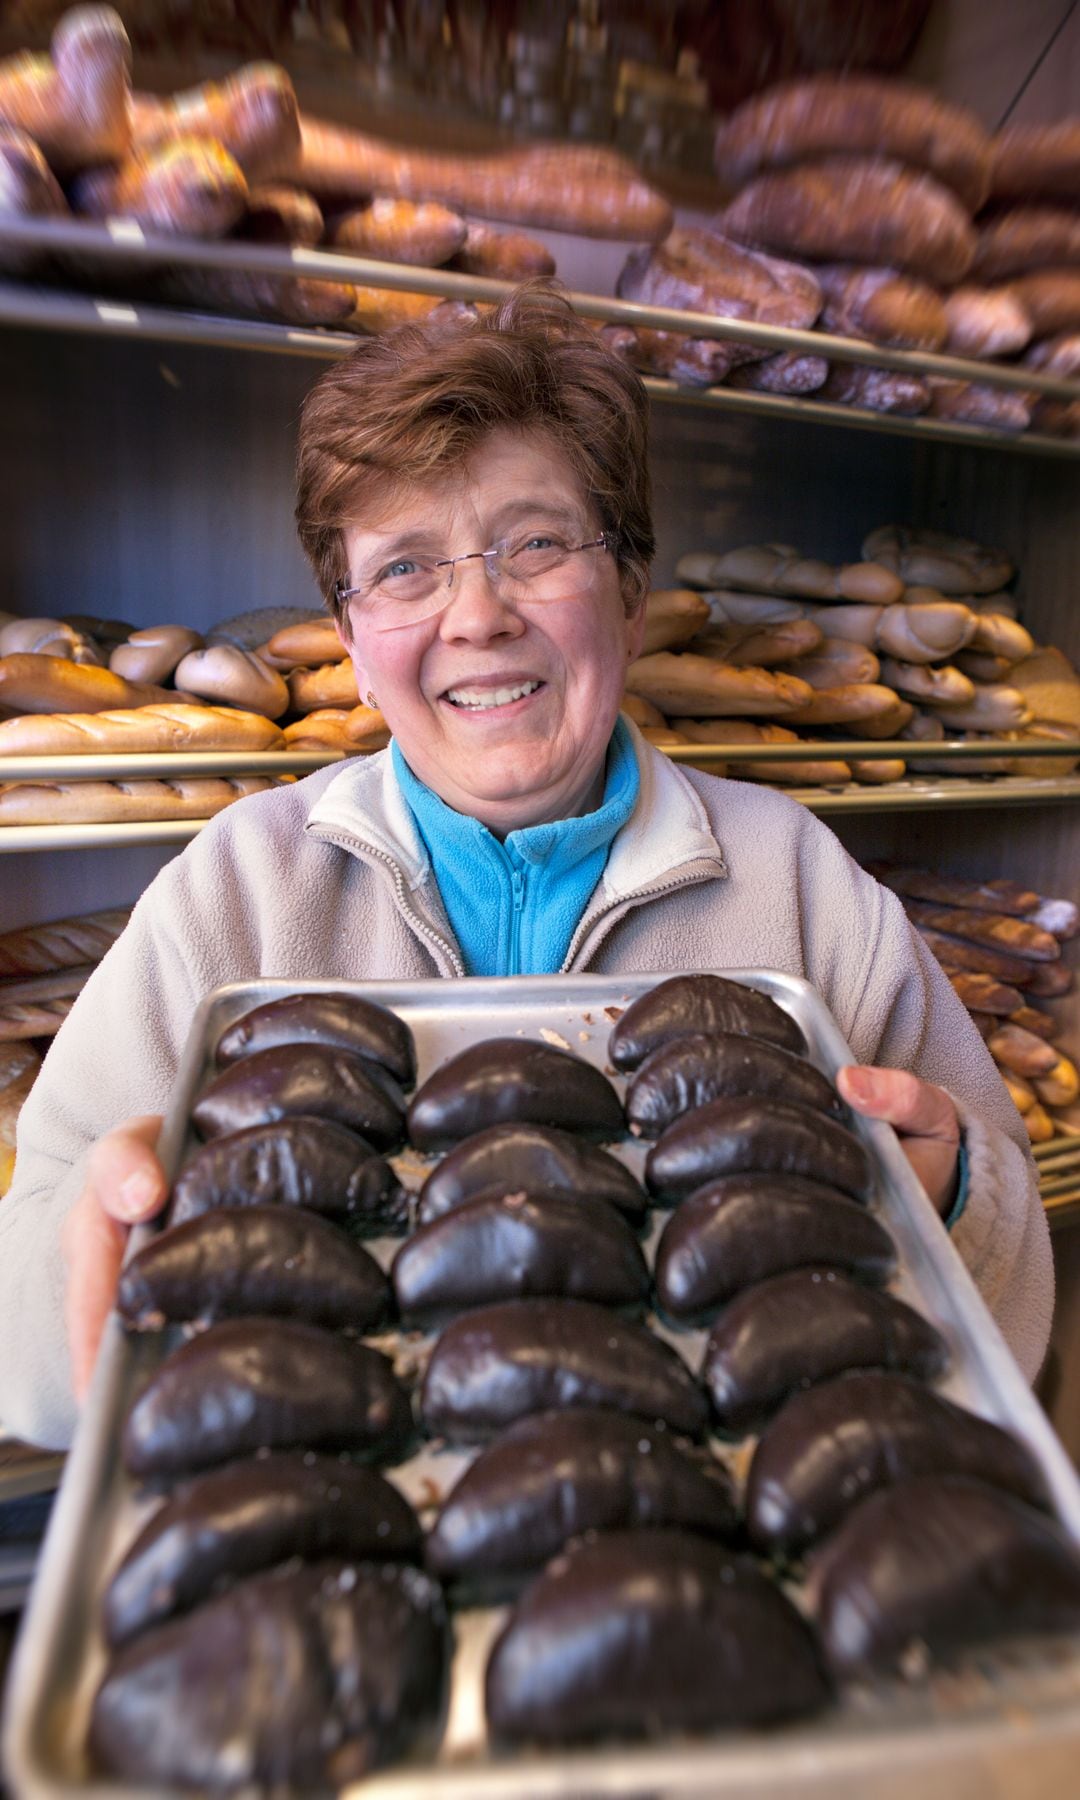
(476, 610)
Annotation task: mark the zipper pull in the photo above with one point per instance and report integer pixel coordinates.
(517, 886)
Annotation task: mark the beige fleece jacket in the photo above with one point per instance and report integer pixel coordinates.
(328, 879)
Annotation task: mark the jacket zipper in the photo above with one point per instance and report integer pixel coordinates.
(587, 927)
(517, 887)
(419, 925)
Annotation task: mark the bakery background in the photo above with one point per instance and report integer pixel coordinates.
(150, 407)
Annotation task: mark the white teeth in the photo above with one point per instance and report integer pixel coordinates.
(481, 699)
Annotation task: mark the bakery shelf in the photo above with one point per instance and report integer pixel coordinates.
(17, 839)
(122, 242)
(165, 765)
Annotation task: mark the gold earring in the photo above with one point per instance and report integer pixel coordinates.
(370, 700)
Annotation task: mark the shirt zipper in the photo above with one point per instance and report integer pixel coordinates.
(517, 888)
(419, 925)
(587, 926)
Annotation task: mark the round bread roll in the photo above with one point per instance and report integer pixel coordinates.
(643, 712)
(153, 653)
(952, 565)
(236, 677)
(942, 686)
(744, 733)
(332, 685)
(697, 685)
(672, 616)
(174, 726)
(925, 631)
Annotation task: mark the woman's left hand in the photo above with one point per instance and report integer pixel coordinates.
(923, 1116)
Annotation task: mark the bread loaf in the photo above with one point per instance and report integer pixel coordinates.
(700, 271)
(47, 637)
(168, 727)
(189, 188)
(977, 403)
(880, 771)
(1062, 917)
(1021, 1051)
(753, 610)
(643, 712)
(19, 1065)
(882, 304)
(34, 683)
(366, 728)
(819, 115)
(992, 709)
(1029, 1018)
(114, 802)
(985, 322)
(20, 1019)
(223, 672)
(861, 209)
(1003, 603)
(1006, 897)
(62, 944)
(408, 231)
(768, 647)
(997, 635)
(789, 372)
(924, 631)
(672, 616)
(334, 684)
(252, 113)
(941, 685)
(879, 390)
(1036, 162)
(779, 569)
(665, 737)
(1051, 299)
(839, 663)
(502, 255)
(1027, 237)
(695, 685)
(981, 993)
(995, 930)
(982, 666)
(743, 734)
(1050, 980)
(308, 645)
(955, 953)
(74, 103)
(377, 309)
(294, 299)
(152, 654)
(561, 187)
(322, 729)
(1060, 1085)
(856, 624)
(935, 559)
(280, 214)
(860, 702)
(1058, 355)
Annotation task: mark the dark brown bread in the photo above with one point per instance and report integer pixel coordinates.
(252, 114)
(188, 187)
(882, 304)
(1027, 237)
(1051, 299)
(1036, 161)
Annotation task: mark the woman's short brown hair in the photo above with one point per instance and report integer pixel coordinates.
(410, 405)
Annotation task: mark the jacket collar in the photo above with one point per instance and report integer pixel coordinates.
(666, 843)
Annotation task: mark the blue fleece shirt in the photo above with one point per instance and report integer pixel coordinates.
(515, 906)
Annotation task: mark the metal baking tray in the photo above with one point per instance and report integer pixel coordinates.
(1006, 1721)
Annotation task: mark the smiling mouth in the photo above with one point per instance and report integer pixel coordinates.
(470, 699)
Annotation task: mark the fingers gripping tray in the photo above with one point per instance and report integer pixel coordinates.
(1006, 1719)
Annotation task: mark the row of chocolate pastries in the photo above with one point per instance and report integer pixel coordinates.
(658, 1605)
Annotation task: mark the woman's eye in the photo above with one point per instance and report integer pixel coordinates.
(396, 570)
(541, 540)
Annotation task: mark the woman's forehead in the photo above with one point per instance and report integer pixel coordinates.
(507, 476)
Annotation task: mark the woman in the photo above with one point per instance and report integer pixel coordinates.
(475, 504)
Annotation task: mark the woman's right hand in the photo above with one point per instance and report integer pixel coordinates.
(125, 1184)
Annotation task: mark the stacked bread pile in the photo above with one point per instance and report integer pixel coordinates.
(919, 641)
(236, 158)
(42, 968)
(1000, 945)
(84, 686)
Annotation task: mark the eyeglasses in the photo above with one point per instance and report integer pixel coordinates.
(533, 567)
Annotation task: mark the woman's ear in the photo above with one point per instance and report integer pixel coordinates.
(635, 632)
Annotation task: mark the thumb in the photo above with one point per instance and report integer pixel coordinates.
(124, 1173)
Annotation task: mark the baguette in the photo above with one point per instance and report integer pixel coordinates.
(744, 734)
(839, 663)
(957, 953)
(1060, 1085)
(799, 121)
(1050, 980)
(502, 255)
(1021, 1051)
(941, 685)
(334, 684)
(672, 616)
(861, 701)
(62, 985)
(74, 103)
(33, 1018)
(935, 559)
(407, 231)
(46, 684)
(137, 731)
(308, 645)
(860, 209)
(1029, 1018)
(189, 188)
(750, 610)
(112, 802)
(584, 189)
(923, 631)
(695, 684)
(236, 677)
(986, 322)
(992, 709)
(981, 993)
(995, 930)
(252, 113)
(764, 648)
(153, 654)
(1006, 897)
(1062, 917)
(63, 944)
